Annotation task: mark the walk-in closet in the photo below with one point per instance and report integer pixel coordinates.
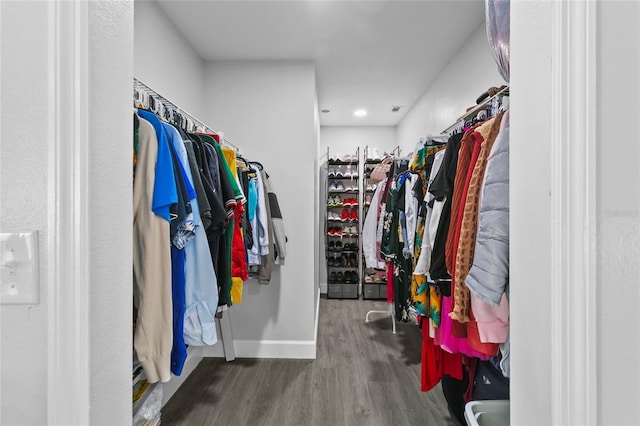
(319, 212)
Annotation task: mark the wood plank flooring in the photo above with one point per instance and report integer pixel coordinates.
(363, 375)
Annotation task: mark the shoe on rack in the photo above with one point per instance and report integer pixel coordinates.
(375, 155)
(353, 260)
(330, 261)
(339, 187)
(339, 277)
(345, 215)
(344, 260)
(331, 173)
(338, 246)
(338, 201)
(347, 277)
(337, 232)
(368, 279)
(333, 277)
(335, 157)
(339, 173)
(354, 215)
(333, 187)
(354, 277)
(332, 246)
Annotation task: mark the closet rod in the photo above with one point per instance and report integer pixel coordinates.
(137, 84)
(476, 109)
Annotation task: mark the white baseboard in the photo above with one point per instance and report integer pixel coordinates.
(317, 324)
(286, 349)
(291, 349)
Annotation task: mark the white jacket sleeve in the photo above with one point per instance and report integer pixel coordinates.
(411, 210)
(431, 222)
(369, 229)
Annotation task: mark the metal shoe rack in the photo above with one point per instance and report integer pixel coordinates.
(343, 225)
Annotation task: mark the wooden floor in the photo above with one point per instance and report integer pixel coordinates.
(363, 375)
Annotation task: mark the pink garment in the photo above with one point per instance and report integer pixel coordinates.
(449, 342)
(493, 322)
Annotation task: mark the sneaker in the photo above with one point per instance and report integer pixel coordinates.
(337, 232)
(330, 261)
(354, 215)
(335, 157)
(338, 173)
(332, 187)
(339, 187)
(353, 260)
(333, 277)
(339, 202)
(331, 173)
(354, 277)
(344, 260)
(339, 277)
(338, 246)
(345, 215)
(347, 277)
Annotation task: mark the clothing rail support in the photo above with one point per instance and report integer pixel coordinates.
(388, 312)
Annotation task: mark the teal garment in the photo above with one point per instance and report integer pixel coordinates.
(252, 202)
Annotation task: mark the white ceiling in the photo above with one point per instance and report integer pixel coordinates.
(368, 54)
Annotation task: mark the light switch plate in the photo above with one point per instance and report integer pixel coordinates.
(19, 283)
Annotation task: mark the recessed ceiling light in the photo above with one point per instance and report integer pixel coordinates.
(360, 112)
(325, 111)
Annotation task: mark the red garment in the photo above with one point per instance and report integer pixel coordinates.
(389, 270)
(464, 156)
(238, 257)
(437, 362)
(460, 330)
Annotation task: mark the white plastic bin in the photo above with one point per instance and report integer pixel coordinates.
(487, 413)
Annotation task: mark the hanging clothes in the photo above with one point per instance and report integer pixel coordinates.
(153, 193)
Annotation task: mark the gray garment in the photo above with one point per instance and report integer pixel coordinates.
(277, 223)
(489, 274)
(267, 261)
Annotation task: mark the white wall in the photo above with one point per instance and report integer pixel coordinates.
(110, 210)
(530, 262)
(346, 140)
(165, 61)
(471, 71)
(23, 368)
(28, 185)
(617, 161)
(618, 259)
(268, 110)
